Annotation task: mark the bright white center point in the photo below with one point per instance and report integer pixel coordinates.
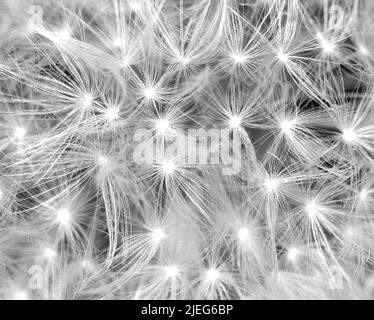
(183, 60)
(126, 62)
(212, 275)
(243, 234)
(117, 42)
(311, 209)
(238, 58)
(171, 271)
(349, 135)
(235, 122)
(283, 57)
(287, 127)
(168, 167)
(102, 161)
(158, 234)
(112, 114)
(271, 184)
(327, 46)
(63, 217)
(162, 126)
(150, 93)
(20, 133)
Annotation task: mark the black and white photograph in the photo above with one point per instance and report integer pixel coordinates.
(196, 151)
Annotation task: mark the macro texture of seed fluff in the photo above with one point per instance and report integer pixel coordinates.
(273, 199)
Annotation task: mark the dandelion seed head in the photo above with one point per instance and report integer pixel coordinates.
(162, 126)
(243, 234)
(102, 161)
(112, 114)
(63, 217)
(183, 60)
(168, 167)
(271, 184)
(125, 62)
(20, 133)
(117, 42)
(312, 209)
(212, 275)
(150, 93)
(283, 57)
(326, 45)
(238, 58)
(349, 135)
(157, 235)
(287, 127)
(171, 271)
(235, 122)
